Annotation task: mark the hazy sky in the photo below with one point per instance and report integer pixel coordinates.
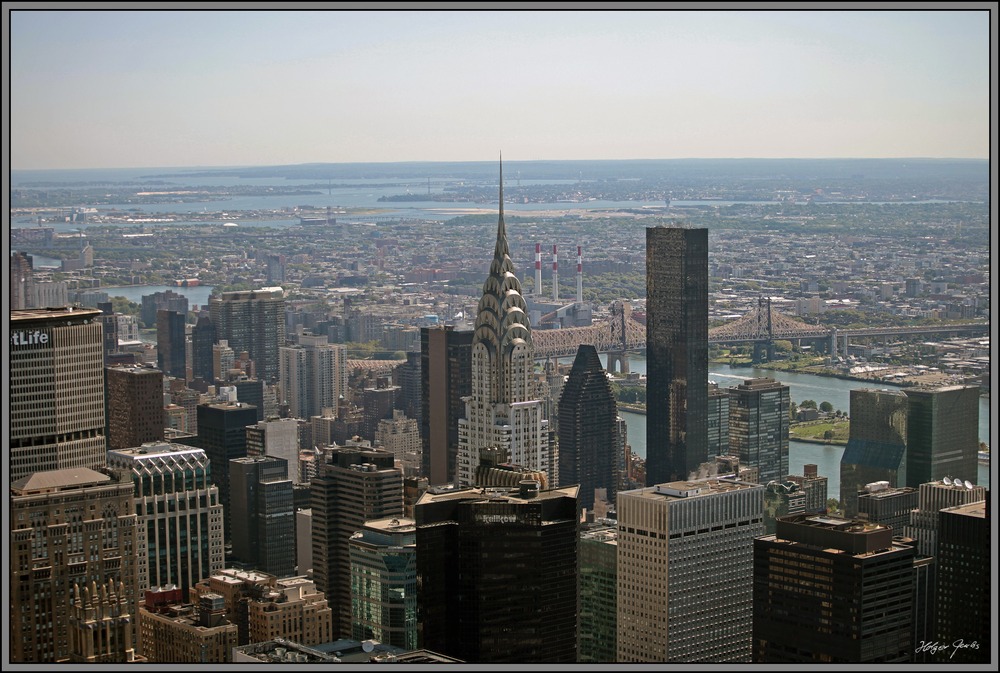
(218, 88)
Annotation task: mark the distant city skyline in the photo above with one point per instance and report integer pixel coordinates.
(126, 88)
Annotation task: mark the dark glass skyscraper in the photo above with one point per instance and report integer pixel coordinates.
(758, 427)
(587, 429)
(202, 339)
(942, 434)
(170, 349)
(445, 378)
(496, 574)
(676, 352)
(261, 500)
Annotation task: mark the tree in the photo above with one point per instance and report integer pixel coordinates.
(825, 407)
(807, 404)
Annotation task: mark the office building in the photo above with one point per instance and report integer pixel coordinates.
(177, 632)
(408, 376)
(252, 391)
(497, 574)
(179, 534)
(353, 486)
(68, 527)
(588, 439)
(203, 337)
(832, 590)
(22, 281)
(312, 375)
(781, 498)
(383, 556)
(964, 608)
(400, 436)
(278, 437)
(261, 503)
(445, 378)
(109, 324)
(597, 621)
(685, 550)
(254, 322)
(676, 352)
(101, 626)
(814, 486)
(876, 448)
(942, 434)
(293, 609)
(134, 396)
(168, 300)
(378, 404)
(932, 497)
(303, 541)
(758, 426)
(222, 434)
(718, 420)
(171, 350)
(891, 507)
(223, 360)
(56, 409)
(503, 409)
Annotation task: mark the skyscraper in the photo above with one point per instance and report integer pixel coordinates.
(963, 597)
(497, 574)
(932, 497)
(876, 448)
(56, 390)
(252, 321)
(384, 582)
(353, 486)
(222, 433)
(70, 527)
(597, 630)
(171, 353)
(503, 409)
(135, 406)
(445, 378)
(942, 434)
(22, 280)
(588, 430)
(261, 502)
(202, 339)
(677, 352)
(831, 590)
(685, 550)
(718, 420)
(758, 427)
(179, 529)
(312, 375)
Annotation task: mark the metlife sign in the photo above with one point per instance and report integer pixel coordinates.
(29, 338)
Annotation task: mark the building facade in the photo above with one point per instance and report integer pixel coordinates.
(684, 552)
(445, 378)
(876, 448)
(597, 620)
(503, 409)
(312, 375)
(261, 502)
(718, 420)
(254, 322)
(588, 441)
(56, 371)
(964, 573)
(68, 528)
(497, 574)
(171, 351)
(676, 352)
(383, 557)
(179, 528)
(134, 396)
(758, 427)
(353, 486)
(203, 337)
(832, 590)
(942, 434)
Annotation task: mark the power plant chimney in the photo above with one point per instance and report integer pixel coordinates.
(538, 270)
(555, 274)
(579, 275)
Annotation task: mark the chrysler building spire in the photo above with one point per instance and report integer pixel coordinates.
(502, 410)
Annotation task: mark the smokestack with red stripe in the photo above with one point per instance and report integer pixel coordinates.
(538, 269)
(555, 274)
(579, 275)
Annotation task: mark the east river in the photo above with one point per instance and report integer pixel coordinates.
(801, 387)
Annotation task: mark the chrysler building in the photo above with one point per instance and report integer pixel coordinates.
(503, 410)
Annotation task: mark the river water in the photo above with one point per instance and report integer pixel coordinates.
(801, 387)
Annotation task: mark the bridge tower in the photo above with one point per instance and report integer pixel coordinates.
(621, 312)
(765, 348)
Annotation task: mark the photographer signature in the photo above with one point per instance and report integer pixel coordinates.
(934, 647)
